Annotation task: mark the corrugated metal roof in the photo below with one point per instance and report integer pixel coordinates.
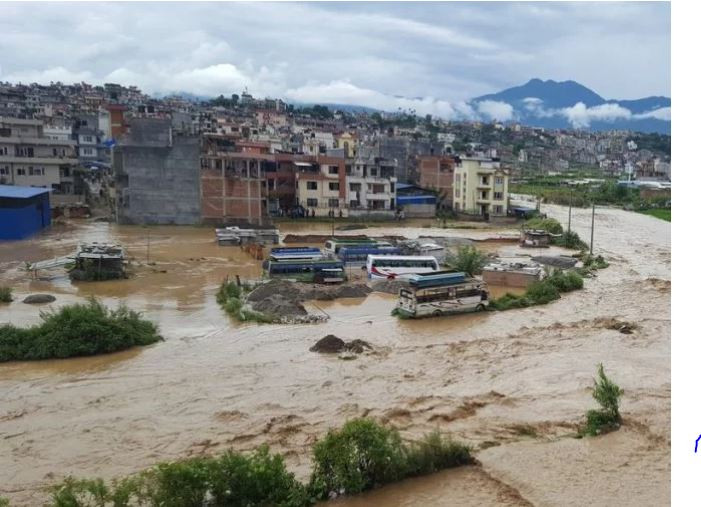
(15, 192)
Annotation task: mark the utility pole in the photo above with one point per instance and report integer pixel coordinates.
(569, 216)
(591, 243)
(148, 244)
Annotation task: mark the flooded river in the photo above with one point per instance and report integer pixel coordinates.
(216, 384)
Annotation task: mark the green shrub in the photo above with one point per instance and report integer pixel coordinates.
(570, 239)
(77, 330)
(232, 479)
(547, 224)
(434, 453)
(468, 259)
(541, 292)
(607, 417)
(4, 502)
(359, 456)
(5, 297)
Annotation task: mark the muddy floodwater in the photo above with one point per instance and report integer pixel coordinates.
(512, 384)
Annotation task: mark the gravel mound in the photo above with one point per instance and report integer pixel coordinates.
(36, 299)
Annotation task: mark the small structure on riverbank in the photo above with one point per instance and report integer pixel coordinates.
(512, 274)
(98, 261)
(535, 238)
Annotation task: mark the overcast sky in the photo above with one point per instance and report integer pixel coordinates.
(382, 55)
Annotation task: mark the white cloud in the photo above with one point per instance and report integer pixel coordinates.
(662, 113)
(495, 110)
(345, 92)
(581, 116)
(55, 74)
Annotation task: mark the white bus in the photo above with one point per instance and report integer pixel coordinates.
(468, 296)
(384, 267)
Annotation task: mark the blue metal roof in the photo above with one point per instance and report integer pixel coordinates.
(15, 192)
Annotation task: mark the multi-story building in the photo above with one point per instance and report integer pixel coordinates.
(157, 175)
(321, 185)
(480, 187)
(437, 173)
(371, 185)
(29, 158)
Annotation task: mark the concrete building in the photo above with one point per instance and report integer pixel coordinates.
(157, 175)
(29, 158)
(481, 187)
(436, 173)
(372, 185)
(321, 186)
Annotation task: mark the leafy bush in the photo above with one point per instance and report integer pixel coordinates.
(468, 259)
(546, 224)
(232, 480)
(364, 454)
(434, 453)
(607, 417)
(5, 297)
(359, 456)
(231, 298)
(77, 330)
(4, 502)
(570, 239)
(541, 292)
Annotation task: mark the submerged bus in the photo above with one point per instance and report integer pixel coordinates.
(442, 293)
(306, 270)
(333, 245)
(384, 267)
(358, 255)
(303, 252)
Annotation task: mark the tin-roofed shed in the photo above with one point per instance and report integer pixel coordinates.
(24, 211)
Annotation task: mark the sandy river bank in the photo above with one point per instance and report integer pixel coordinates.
(215, 384)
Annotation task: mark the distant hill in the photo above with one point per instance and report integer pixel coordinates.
(567, 104)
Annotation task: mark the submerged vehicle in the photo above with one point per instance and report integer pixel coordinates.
(384, 267)
(442, 293)
(234, 235)
(295, 253)
(358, 255)
(334, 245)
(306, 270)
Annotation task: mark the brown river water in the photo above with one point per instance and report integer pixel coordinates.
(512, 384)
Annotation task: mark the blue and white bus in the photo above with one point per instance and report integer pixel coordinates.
(358, 255)
(295, 253)
(389, 267)
(306, 270)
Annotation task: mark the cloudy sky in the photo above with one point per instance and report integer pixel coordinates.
(426, 56)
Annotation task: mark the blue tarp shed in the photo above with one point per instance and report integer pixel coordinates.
(23, 211)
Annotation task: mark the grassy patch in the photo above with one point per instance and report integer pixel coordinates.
(5, 294)
(661, 213)
(541, 292)
(77, 330)
(359, 456)
(231, 296)
(607, 417)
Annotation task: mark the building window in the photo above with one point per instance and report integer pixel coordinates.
(355, 204)
(498, 180)
(333, 169)
(312, 203)
(333, 203)
(21, 171)
(334, 186)
(311, 185)
(4, 170)
(498, 210)
(355, 187)
(498, 196)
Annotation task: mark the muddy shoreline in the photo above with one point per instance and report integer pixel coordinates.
(216, 384)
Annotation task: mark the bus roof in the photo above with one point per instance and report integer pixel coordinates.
(403, 257)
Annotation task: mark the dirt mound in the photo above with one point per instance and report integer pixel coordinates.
(329, 344)
(332, 344)
(36, 299)
(279, 305)
(557, 261)
(390, 286)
